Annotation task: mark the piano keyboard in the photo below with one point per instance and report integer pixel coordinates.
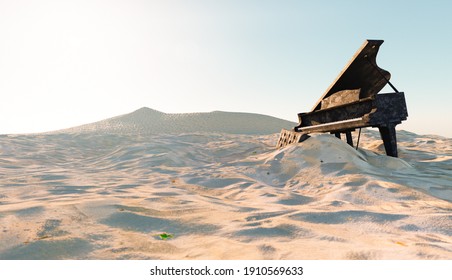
(331, 123)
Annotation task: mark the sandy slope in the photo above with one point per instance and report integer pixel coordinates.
(149, 121)
(103, 195)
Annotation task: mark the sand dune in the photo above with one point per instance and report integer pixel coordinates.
(107, 190)
(149, 121)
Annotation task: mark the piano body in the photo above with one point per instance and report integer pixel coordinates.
(352, 101)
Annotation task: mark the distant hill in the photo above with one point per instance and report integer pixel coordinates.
(146, 120)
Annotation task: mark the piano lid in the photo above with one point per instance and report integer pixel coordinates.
(361, 73)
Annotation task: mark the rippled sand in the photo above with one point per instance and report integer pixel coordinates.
(223, 196)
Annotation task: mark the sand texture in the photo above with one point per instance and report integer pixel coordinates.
(107, 191)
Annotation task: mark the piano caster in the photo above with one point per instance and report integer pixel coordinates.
(388, 134)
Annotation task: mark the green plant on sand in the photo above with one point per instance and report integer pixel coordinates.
(165, 236)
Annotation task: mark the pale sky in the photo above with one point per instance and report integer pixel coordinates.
(66, 63)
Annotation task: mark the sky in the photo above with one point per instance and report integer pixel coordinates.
(67, 63)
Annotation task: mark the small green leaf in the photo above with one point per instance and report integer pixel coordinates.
(165, 236)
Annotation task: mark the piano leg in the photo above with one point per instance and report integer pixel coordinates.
(348, 134)
(388, 134)
(337, 134)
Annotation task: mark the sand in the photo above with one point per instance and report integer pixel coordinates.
(102, 194)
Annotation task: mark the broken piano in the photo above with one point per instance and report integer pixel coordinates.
(352, 102)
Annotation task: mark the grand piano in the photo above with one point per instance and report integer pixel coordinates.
(352, 102)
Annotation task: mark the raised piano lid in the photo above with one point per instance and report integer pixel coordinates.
(360, 73)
